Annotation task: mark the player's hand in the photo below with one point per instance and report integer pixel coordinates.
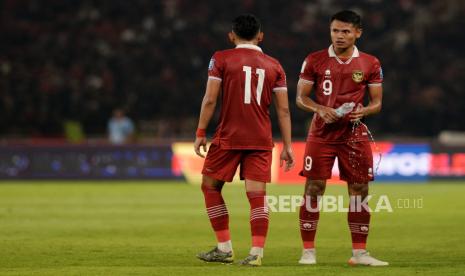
(287, 156)
(357, 114)
(328, 114)
(200, 142)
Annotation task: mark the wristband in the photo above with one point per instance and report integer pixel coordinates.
(200, 132)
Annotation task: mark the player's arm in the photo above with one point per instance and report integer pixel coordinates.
(284, 119)
(206, 113)
(304, 102)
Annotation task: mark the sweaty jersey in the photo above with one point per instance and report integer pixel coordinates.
(249, 77)
(335, 83)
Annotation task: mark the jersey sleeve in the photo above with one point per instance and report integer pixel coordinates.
(307, 72)
(281, 83)
(376, 74)
(216, 67)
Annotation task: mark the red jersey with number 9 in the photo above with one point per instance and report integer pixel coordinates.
(336, 82)
(249, 77)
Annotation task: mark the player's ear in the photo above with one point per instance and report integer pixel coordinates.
(358, 32)
(232, 36)
(260, 36)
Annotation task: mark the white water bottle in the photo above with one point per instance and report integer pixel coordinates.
(345, 109)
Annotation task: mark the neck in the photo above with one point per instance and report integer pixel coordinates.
(344, 52)
(250, 42)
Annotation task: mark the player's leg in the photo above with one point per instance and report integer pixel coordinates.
(217, 211)
(309, 216)
(358, 217)
(219, 167)
(356, 166)
(256, 194)
(318, 162)
(256, 170)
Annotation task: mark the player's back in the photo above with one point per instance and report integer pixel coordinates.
(249, 78)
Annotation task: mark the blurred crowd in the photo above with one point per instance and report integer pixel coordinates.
(77, 60)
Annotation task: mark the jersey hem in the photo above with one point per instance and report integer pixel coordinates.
(214, 78)
(306, 81)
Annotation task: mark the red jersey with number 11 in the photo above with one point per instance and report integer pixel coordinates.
(249, 77)
(336, 82)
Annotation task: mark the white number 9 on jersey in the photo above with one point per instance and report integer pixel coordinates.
(308, 163)
(327, 87)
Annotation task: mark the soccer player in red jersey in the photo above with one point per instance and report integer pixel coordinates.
(340, 74)
(249, 81)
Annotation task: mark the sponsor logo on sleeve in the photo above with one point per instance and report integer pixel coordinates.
(211, 64)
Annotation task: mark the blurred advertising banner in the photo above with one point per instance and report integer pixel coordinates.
(447, 162)
(417, 162)
(86, 162)
(411, 162)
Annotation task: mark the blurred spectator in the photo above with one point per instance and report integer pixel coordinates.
(120, 128)
(75, 60)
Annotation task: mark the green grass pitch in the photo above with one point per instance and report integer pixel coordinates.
(156, 228)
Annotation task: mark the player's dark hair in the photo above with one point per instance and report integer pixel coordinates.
(348, 16)
(246, 26)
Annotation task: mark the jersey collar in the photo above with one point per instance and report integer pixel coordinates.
(331, 53)
(250, 46)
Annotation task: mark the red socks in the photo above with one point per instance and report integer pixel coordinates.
(359, 222)
(219, 218)
(217, 213)
(258, 217)
(309, 216)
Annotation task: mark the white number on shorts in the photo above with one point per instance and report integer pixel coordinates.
(327, 87)
(308, 163)
(248, 83)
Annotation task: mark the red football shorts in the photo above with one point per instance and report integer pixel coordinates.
(355, 161)
(222, 164)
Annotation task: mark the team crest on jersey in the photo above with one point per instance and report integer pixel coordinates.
(357, 76)
(211, 64)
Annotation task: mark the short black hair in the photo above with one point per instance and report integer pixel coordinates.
(246, 26)
(348, 16)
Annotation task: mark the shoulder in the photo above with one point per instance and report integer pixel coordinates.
(220, 53)
(273, 61)
(317, 57)
(369, 58)
(219, 58)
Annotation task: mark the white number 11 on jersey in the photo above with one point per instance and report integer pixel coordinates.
(248, 84)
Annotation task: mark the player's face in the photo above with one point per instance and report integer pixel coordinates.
(343, 34)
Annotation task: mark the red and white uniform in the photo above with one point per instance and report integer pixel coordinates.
(336, 82)
(249, 77)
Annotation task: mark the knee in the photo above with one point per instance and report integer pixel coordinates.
(210, 185)
(206, 188)
(360, 189)
(315, 187)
